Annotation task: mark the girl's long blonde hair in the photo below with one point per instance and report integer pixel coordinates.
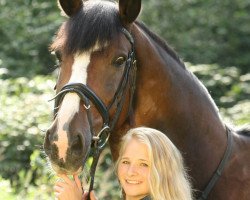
(168, 178)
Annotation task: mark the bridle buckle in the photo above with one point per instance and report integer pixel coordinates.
(101, 139)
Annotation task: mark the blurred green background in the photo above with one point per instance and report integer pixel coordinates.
(212, 37)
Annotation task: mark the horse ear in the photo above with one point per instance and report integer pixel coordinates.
(129, 10)
(70, 7)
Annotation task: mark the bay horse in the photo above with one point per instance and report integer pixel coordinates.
(116, 74)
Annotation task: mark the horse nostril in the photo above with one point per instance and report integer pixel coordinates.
(50, 137)
(47, 143)
(77, 145)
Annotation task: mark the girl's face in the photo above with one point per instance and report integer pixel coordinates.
(134, 170)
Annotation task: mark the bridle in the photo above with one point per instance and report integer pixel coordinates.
(87, 95)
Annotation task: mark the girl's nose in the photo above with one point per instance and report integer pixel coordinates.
(132, 170)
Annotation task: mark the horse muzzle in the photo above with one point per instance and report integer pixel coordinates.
(67, 150)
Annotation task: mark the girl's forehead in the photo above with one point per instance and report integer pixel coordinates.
(136, 150)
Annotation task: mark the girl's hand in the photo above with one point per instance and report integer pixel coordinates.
(92, 195)
(69, 189)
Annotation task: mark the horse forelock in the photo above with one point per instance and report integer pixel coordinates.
(97, 22)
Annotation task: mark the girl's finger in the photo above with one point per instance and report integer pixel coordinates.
(58, 189)
(57, 194)
(61, 184)
(65, 178)
(85, 195)
(92, 195)
(78, 182)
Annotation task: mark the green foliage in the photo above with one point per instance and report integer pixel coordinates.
(6, 191)
(24, 114)
(26, 29)
(229, 89)
(34, 183)
(203, 31)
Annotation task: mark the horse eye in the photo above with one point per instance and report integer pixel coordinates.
(58, 55)
(119, 61)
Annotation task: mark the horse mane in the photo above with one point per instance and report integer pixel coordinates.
(244, 130)
(161, 42)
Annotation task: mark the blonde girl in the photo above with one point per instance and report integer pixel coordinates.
(149, 167)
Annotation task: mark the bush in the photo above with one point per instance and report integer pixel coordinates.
(229, 89)
(199, 33)
(193, 27)
(24, 114)
(27, 28)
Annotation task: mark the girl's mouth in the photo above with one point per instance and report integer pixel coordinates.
(132, 182)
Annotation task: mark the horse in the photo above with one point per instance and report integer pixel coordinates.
(115, 74)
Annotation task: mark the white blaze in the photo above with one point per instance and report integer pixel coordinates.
(71, 101)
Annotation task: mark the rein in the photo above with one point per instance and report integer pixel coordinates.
(87, 95)
(220, 168)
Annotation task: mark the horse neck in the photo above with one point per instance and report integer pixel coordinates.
(170, 98)
(163, 80)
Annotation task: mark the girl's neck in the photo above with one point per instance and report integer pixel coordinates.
(137, 197)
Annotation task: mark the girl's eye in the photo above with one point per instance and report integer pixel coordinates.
(125, 162)
(119, 61)
(144, 164)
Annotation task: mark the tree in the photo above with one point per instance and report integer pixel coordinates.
(26, 30)
(203, 31)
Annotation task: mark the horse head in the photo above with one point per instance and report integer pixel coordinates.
(96, 80)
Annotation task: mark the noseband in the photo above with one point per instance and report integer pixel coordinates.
(87, 95)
